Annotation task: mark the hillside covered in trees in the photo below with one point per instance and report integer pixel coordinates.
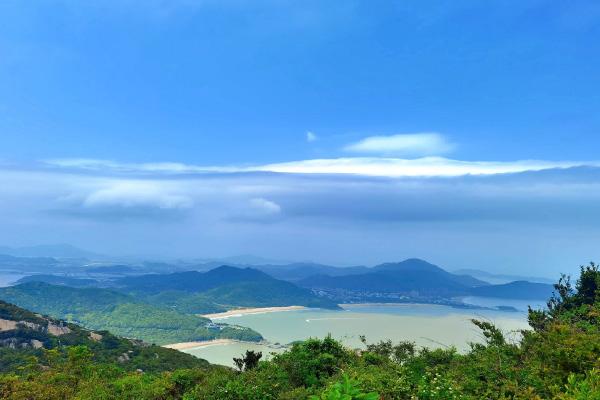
(121, 314)
(29, 340)
(557, 359)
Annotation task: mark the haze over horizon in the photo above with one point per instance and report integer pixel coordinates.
(464, 134)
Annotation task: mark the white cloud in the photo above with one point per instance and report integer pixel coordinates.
(311, 137)
(412, 144)
(424, 167)
(264, 206)
(256, 210)
(114, 166)
(368, 166)
(348, 218)
(131, 194)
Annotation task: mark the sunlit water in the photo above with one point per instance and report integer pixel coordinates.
(427, 325)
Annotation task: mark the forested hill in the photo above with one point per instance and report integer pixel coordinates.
(229, 286)
(192, 281)
(24, 334)
(120, 313)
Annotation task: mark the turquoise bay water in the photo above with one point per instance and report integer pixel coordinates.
(427, 325)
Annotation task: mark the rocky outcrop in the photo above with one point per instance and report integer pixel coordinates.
(58, 330)
(19, 342)
(123, 358)
(53, 329)
(7, 325)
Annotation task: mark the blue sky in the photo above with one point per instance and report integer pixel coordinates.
(476, 121)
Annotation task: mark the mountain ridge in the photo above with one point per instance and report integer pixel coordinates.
(417, 278)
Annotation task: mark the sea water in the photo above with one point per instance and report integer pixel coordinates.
(426, 324)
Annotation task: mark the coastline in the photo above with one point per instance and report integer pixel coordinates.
(248, 311)
(386, 304)
(350, 305)
(225, 315)
(218, 342)
(205, 343)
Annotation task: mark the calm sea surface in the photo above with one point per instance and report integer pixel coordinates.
(427, 325)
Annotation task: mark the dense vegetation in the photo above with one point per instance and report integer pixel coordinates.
(18, 352)
(184, 302)
(266, 294)
(558, 359)
(119, 313)
(227, 287)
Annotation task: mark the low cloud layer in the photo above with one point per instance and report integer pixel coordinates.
(541, 214)
(366, 166)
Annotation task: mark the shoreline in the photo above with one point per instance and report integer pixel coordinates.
(205, 343)
(218, 342)
(460, 306)
(249, 311)
(350, 305)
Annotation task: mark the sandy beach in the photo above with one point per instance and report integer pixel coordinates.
(247, 311)
(191, 345)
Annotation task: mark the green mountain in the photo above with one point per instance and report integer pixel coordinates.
(192, 281)
(120, 313)
(267, 294)
(417, 278)
(184, 302)
(226, 287)
(412, 276)
(24, 335)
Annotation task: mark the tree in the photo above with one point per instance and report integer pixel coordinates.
(248, 361)
(571, 303)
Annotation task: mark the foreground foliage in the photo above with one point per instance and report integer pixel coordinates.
(558, 359)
